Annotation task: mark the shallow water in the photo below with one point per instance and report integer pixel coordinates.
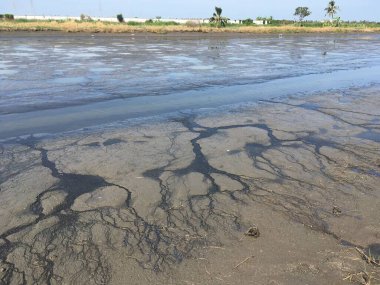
(112, 78)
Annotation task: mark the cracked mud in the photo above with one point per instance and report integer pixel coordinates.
(170, 202)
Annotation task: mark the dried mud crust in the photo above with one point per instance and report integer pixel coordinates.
(171, 203)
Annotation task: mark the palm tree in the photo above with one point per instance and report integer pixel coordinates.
(218, 19)
(331, 9)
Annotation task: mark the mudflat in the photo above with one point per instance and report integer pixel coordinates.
(279, 192)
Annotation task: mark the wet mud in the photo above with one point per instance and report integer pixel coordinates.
(282, 192)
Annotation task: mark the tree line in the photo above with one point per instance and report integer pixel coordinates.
(303, 12)
(300, 12)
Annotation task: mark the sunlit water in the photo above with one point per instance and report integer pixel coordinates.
(72, 76)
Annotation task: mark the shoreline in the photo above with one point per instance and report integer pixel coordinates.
(115, 28)
(171, 35)
(71, 118)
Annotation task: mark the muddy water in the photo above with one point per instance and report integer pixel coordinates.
(51, 83)
(168, 200)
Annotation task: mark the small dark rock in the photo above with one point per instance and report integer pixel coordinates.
(336, 211)
(253, 232)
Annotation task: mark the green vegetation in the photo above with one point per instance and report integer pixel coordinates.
(120, 18)
(150, 22)
(134, 23)
(218, 19)
(266, 20)
(331, 9)
(248, 22)
(7, 17)
(270, 18)
(302, 12)
(84, 17)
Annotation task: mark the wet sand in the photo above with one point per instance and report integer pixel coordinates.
(170, 202)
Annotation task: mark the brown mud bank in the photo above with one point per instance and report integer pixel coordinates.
(286, 192)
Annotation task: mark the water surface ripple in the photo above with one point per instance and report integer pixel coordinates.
(40, 72)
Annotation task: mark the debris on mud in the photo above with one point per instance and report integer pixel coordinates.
(253, 232)
(369, 258)
(336, 211)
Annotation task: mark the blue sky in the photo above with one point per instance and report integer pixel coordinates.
(237, 9)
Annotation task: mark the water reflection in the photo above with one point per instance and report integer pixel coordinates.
(41, 70)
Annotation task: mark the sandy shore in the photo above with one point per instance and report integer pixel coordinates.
(170, 202)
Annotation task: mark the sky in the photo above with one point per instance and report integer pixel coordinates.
(234, 9)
